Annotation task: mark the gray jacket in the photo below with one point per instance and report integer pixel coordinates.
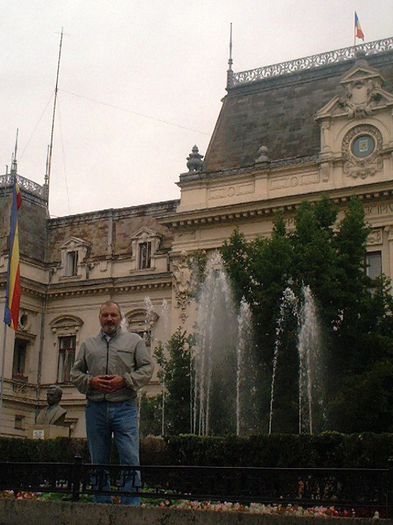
(125, 355)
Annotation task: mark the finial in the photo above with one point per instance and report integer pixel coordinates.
(14, 166)
(230, 61)
(194, 160)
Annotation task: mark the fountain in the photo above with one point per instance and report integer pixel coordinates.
(214, 360)
(310, 364)
(288, 308)
(246, 415)
(302, 350)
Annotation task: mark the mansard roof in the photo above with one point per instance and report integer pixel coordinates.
(276, 106)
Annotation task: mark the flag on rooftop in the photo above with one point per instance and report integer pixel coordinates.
(13, 291)
(358, 29)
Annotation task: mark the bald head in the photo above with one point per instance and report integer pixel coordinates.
(110, 303)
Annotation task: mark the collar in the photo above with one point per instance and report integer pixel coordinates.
(108, 337)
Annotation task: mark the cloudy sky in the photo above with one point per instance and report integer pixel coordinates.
(141, 82)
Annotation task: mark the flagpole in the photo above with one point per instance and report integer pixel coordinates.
(2, 371)
(354, 29)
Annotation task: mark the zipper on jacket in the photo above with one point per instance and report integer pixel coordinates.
(107, 357)
(107, 361)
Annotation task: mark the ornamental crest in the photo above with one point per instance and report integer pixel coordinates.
(361, 149)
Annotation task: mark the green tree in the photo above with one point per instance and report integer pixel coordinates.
(174, 359)
(355, 313)
(150, 415)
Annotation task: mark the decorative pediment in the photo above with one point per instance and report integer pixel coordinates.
(74, 243)
(362, 94)
(145, 234)
(66, 324)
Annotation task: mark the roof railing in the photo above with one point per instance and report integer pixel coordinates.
(25, 184)
(311, 62)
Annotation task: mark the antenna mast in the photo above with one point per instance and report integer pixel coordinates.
(50, 149)
(14, 166)
(230, 61)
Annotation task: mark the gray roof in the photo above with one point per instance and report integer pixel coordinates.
(278, 112)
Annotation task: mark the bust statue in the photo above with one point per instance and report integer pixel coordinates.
(53, 414)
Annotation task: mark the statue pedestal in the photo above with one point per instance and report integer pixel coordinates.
(48, 431)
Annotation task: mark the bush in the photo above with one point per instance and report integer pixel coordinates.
(329, 449)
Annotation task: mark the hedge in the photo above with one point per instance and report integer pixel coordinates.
(277, 450)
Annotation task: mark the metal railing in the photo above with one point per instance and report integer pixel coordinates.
(311, 62)
(363, 490)
(26, 184)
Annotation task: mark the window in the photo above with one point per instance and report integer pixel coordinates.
(144, 260)
(19, 422)
(71, 264)
(66, 358)
(19, 360)
(374, 264)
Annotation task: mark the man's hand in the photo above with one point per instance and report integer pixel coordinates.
(107, 384)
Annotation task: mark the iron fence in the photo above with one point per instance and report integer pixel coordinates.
(363, 490)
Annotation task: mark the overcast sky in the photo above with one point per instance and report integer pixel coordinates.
(141, 82)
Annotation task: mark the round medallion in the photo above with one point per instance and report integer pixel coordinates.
(362, 146)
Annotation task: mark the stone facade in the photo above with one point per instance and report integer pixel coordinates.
(278, 141)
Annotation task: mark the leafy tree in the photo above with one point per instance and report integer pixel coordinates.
(355, 313)
(174, 359)
(150, 415)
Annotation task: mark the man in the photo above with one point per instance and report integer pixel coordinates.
(53, 414)
(109, 369)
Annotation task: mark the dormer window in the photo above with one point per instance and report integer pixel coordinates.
(71, 267)
(74, 254)
(144, 259)
(144, 245)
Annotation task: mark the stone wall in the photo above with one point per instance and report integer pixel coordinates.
(20, 512)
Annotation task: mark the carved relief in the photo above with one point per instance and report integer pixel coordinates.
(375, 237)
(182, 274)
(379, 209)
(293, 181)
(231, 191)
(358, 166)
(361, 96)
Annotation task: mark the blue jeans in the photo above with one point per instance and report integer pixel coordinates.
(121, 419)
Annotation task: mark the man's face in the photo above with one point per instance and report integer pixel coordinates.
(109, 318)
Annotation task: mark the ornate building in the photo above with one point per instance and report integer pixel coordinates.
(286, 133)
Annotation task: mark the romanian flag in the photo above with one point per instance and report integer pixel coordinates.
(358, 30)
(13, 292)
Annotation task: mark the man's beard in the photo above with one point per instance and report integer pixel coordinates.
(109, 329)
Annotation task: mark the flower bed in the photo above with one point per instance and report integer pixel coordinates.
(252, 508)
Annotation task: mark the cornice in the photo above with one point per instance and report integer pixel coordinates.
(155, 209)
(268, 207)
(117, 285)
(93, 287)
(254, 169)
(29, 287)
